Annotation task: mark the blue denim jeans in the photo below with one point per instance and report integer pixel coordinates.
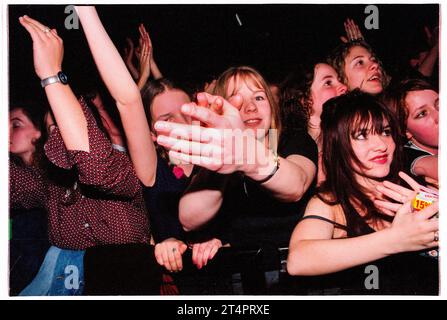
(61, 274)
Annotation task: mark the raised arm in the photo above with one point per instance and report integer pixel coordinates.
(427, 65)
(125, 92)
(48, 54)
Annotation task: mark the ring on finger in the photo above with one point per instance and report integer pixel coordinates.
(46, 30)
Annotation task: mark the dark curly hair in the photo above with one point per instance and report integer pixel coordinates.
(339, 54)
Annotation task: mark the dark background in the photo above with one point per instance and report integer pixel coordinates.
(195, 42)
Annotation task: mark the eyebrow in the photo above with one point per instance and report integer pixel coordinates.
(327, 77)
(17, 119)
(420, 107)
(361, 56)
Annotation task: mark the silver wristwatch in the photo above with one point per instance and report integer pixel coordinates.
(59, 77)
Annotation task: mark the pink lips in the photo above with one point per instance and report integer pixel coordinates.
(382, 159)
(253, 122)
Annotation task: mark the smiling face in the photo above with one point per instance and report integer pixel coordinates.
(374, 148)
(22, 135)
(362, 71)
(325, 86)
(256, 112)
(423, 118)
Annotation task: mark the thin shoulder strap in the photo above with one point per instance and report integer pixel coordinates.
(337, 225)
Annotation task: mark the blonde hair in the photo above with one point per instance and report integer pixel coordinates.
(248, 75)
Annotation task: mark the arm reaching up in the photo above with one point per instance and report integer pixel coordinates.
(125, 92)
(48, 53)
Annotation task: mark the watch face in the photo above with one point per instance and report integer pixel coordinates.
(62, 77)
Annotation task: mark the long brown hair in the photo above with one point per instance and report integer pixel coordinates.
(341, 117)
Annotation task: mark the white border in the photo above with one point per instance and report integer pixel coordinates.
(4, 265)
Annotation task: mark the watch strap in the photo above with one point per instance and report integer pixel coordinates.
(50, 80)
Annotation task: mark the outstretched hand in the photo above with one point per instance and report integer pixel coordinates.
(209, 143)
(48, 49)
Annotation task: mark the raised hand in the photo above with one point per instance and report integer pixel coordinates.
(48, 49)
(169, 254)
(145, 57)
(352, 31)
(144, 36)
(205, 251)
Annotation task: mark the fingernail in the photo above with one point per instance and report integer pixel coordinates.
(159, 125)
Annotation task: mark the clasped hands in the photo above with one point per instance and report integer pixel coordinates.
(217, 138)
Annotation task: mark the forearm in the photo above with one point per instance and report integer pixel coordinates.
(156, 73)
(142, 80)
(133, 71)
(427, 66)
(69, 116)
(289, 182)
(124, 90)
(202, 200)
(317, 257)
